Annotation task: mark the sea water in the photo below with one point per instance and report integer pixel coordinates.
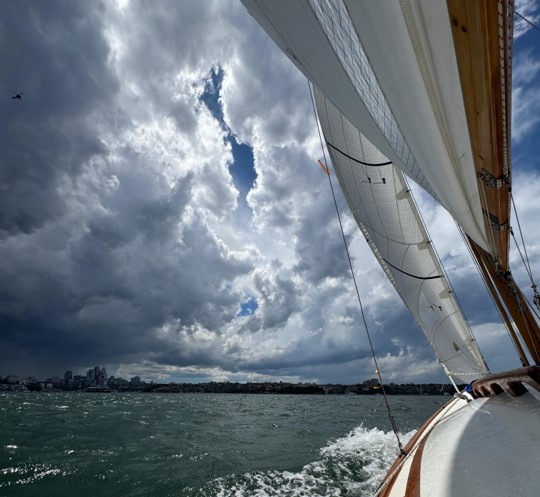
(200, 445)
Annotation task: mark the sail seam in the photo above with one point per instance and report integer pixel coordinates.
(413, 275)
(358, 160)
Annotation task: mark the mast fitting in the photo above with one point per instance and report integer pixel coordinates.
(494, 221)
(489, 180)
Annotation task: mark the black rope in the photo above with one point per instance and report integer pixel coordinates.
(527, 20)
(357, 160)
(412, 275)
(377, 372)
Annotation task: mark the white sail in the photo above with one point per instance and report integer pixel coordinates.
(390, 68)
(383, 207)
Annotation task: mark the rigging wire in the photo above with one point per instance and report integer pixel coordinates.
(536, 297)
(526, 20)
(532, 337)
(377, 370)
(526, 262)
(527, 265)
(523, 259)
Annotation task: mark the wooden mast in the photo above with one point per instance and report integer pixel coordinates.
(482, 31)
(484, 63)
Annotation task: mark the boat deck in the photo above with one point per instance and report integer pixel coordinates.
(484, 447)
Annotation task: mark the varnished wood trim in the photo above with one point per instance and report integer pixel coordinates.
(413, 481)
(511, 382)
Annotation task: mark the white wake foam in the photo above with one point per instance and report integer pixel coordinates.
(353, 465)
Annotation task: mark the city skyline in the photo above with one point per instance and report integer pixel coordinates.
(94, 377)
(96, 381)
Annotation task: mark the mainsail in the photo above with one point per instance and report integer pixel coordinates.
(428, 84)
(385, 211)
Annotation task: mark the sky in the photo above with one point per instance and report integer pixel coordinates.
(162, 213)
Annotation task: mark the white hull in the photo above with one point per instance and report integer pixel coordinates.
(485, 447)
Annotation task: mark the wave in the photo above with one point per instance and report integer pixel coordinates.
(353, 465)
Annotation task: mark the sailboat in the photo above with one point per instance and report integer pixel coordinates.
(422, 90)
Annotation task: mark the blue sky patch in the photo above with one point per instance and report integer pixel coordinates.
(242, 169)
(248, 307)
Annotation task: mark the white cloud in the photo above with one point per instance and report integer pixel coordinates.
(525, 93)
(526, 68)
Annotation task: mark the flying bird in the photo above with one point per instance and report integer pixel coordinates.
(16, 96)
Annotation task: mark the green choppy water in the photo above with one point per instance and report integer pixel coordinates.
(199, 445)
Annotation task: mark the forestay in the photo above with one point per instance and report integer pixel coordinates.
(386, 213)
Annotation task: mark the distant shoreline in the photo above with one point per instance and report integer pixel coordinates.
(276, 388)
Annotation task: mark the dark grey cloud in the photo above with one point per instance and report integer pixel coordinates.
(321, 251)
(99, 253)
(56, 54)
(278, 299)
